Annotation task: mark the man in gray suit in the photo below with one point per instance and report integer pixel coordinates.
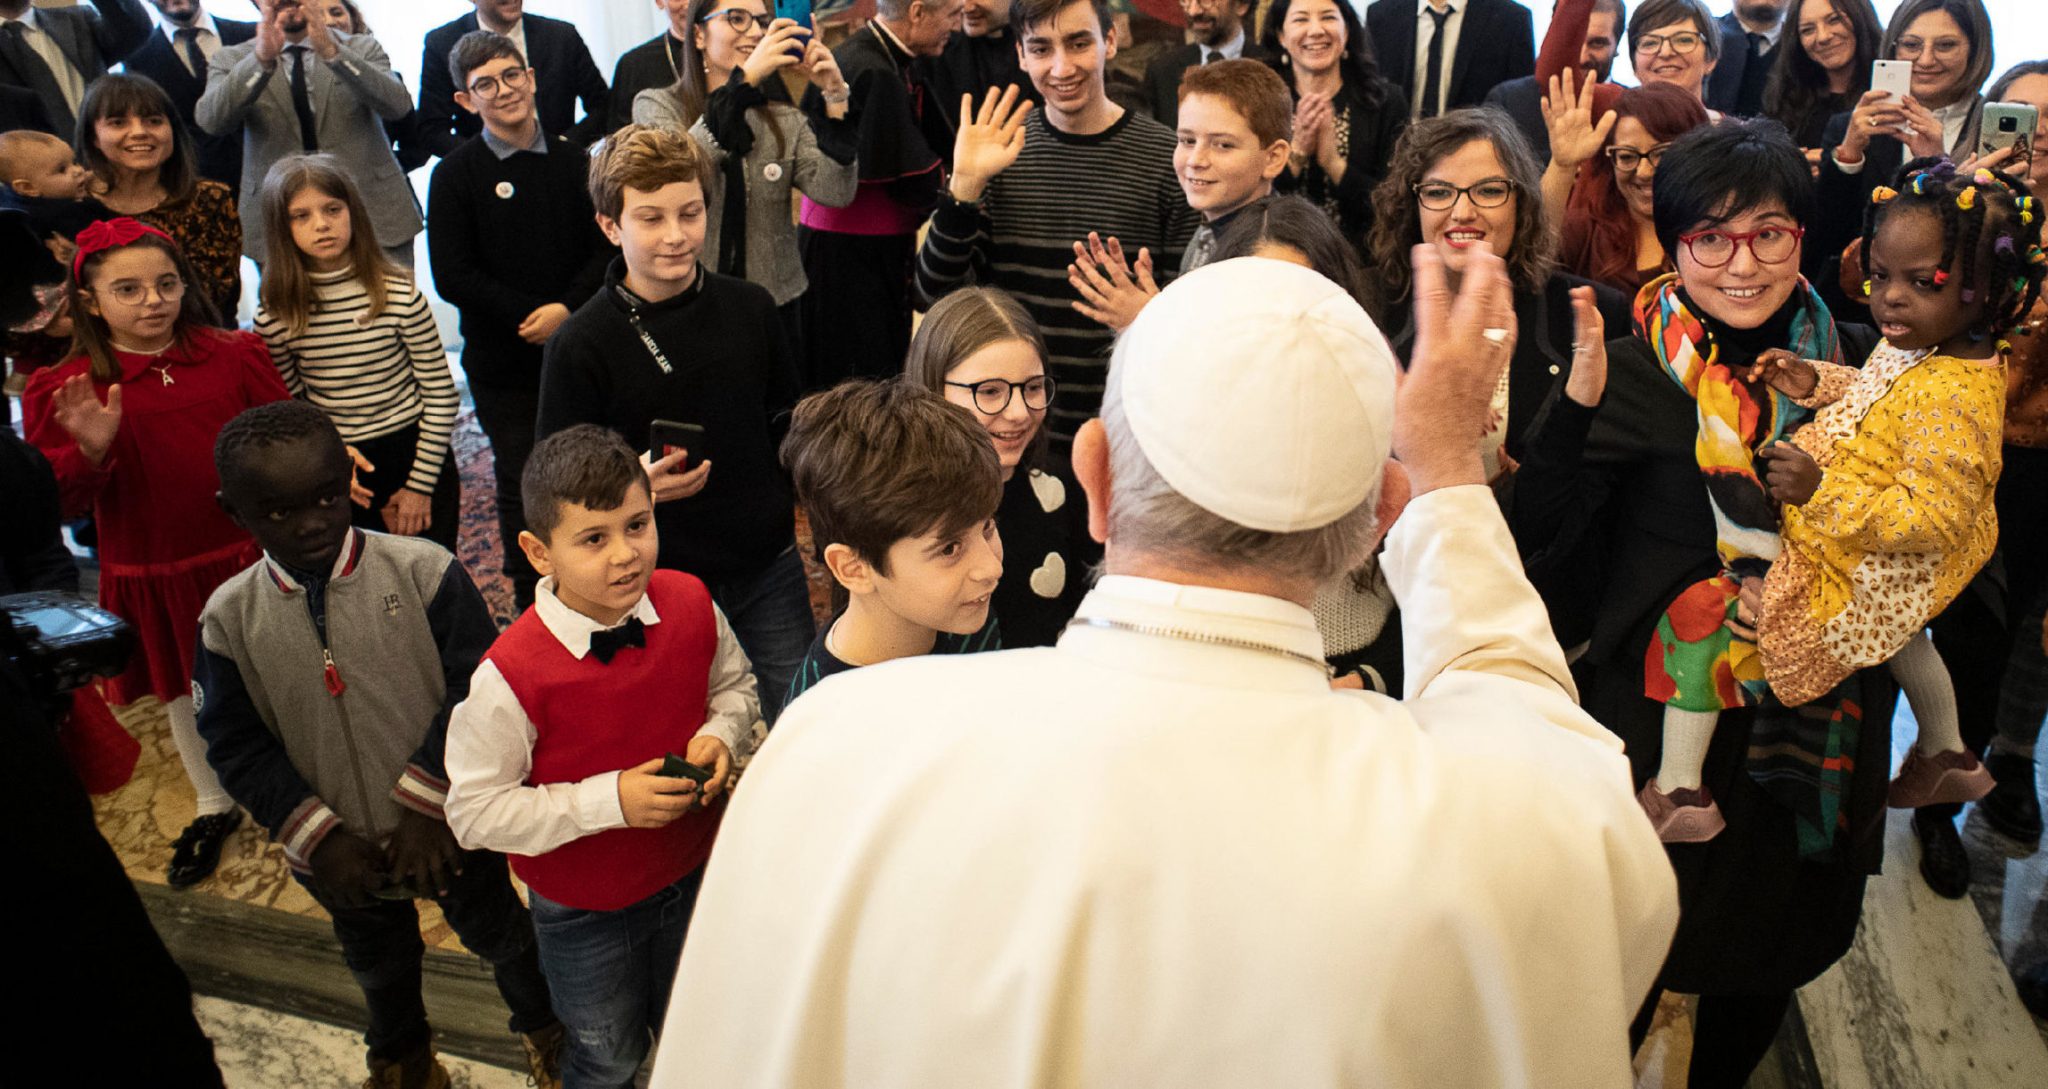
(55, 52)
(332, 93)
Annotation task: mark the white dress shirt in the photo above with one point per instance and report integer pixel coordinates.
(1231, 50)
(490, 744)
(208, 40)
(1425, 29)
(1152, 859)
(69, 80)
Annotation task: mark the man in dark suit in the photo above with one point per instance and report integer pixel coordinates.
(20, 109)
(1750, 36)
(1522, 99)
(652, 63)
(1447, 54)
(55, 52)
(175, 56)
(563, 73)
(1216, 31)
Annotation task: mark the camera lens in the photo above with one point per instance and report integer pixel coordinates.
(2008, 124)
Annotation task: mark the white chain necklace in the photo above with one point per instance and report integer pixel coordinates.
(1321, 666)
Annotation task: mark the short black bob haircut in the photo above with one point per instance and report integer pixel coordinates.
(1718, 172)
(277, 423)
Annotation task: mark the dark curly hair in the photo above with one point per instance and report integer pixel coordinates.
(1360, 69)
(1989, 219)
(1397, 218)
(268, 425)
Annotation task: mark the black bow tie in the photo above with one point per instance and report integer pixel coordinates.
(604, 644)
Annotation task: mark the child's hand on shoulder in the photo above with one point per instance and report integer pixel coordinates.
(423, 853)
(1785, 372)
(710, 752)
(346, 867)
(650, 799)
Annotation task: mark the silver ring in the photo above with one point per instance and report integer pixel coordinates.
(1578, 349)
(1496, 335)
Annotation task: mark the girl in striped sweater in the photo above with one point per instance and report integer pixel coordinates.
(351, 333)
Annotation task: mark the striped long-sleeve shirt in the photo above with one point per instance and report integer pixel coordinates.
(372, 376)
(1020, 237)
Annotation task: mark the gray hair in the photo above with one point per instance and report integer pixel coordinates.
(1147, 515)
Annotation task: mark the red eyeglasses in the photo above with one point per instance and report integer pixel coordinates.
(1713, 247)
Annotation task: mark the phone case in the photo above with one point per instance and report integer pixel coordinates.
(675, 767)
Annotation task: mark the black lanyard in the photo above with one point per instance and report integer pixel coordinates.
(632, 306)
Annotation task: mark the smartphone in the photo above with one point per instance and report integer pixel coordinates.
(798, 12)
(1895, 76)
(665, 437)
(2008, 124)
(675, 767)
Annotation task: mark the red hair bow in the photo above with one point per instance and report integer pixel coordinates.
(107, 234)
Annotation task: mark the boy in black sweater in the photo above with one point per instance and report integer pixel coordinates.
(515, 248)
(668, 340)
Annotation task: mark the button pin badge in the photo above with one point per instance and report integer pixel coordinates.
(772, 172)
(504, 190)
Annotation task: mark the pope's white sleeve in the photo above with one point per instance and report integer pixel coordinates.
(489, 755)
(1466, 606)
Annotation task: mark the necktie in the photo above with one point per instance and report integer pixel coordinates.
(1200, 248)
(23, 56)
(302, 102)
(605, 644)
(1213, 56)
(1433, 84)
(188, 44)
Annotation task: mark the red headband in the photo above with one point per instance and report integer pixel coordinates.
(107, 234)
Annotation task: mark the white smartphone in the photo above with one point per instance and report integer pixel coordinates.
(1895, 76)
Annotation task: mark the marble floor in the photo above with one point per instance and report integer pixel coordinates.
(263, 1049)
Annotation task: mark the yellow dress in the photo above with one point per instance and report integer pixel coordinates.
(1902, 520)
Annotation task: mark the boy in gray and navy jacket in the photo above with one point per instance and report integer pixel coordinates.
(324, 679)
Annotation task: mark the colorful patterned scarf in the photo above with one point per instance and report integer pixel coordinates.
(1802, 759)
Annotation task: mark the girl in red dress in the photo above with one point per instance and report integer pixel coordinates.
(128, 422)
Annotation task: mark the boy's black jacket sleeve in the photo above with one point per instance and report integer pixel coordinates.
(464, 630)
(250, 760)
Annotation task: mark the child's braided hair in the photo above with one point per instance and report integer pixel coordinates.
(1990, 219)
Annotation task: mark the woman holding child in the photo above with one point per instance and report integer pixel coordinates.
(1617, 476)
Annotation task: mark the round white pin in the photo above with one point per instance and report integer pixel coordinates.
(504, 190)
(773, 171)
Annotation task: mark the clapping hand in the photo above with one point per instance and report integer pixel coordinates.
(91, 424)
(1568, 112)
(990, 139)
(270, 37)
(319, 33)
(1587, 383)
(1111, 291)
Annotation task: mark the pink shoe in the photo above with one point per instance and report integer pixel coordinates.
(1934, 780)
(1682, 816)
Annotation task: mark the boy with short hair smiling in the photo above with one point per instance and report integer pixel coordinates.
(901, 487)
(322, 685)
(667, 339)
(1235, 120)
(557, 756)
(514, 248)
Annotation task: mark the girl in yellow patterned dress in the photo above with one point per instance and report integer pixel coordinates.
(1888, 491)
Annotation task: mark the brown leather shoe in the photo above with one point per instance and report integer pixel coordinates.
(419, 1070)
(544, 1056)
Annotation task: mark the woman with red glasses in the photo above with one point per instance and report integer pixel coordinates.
(1654, 479)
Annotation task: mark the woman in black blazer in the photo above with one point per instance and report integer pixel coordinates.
(1346, 118)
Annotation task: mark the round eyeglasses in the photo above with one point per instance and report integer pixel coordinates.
(1628, 160)
(738, 19)
(132, 293)
(992, 395)
(512, 79)
(1713, 247)
(1440, 196)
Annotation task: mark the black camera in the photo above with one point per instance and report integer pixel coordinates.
(61, 641)
(2008, 123)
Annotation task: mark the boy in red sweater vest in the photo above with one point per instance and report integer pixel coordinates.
(556, 757)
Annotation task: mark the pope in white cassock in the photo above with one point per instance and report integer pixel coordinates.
(1165, 852)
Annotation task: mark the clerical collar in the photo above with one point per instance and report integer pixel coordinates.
(889, 36)
(505, 149)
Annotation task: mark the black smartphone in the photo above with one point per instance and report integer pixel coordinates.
(675, 767)
(665, 437)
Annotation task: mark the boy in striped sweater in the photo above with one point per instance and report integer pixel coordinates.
(1027, 184)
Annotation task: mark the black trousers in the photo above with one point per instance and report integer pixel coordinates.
(1730, 1034)
(507, 412)
(382, 947)
(856, 313)
(393, 455)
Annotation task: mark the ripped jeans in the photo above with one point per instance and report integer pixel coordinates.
(610, 974)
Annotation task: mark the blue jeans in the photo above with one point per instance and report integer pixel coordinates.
(770, 614)
(610, 973)
(381, 945)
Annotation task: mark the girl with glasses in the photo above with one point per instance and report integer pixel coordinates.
(1599, 187)
(728, 83)
(128, 424)
(981, 350)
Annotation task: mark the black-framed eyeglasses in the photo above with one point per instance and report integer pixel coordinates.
(132, 293)
(1440, 196)
(1628, 160)
(1681, 43)
(993, 395)
(513, 79)
(1713, 247)
(738, 18)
